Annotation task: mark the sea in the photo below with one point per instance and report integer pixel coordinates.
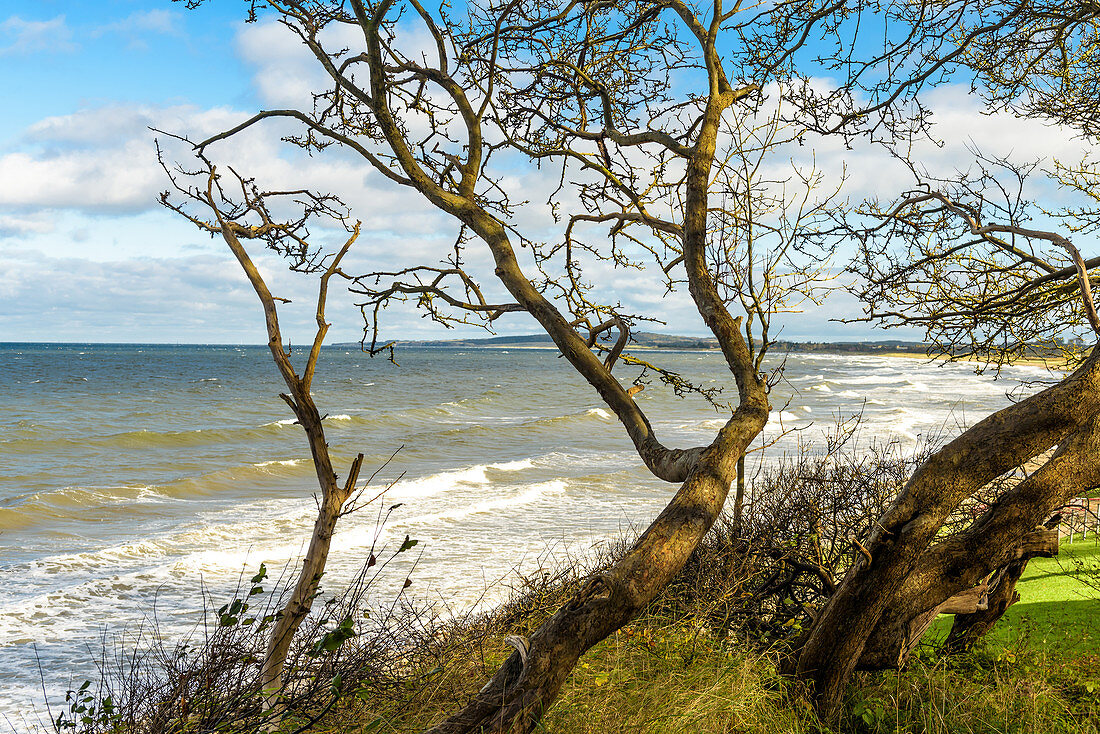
(138, 480)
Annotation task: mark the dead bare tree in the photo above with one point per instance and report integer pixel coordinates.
(239, 210)
(655, 117)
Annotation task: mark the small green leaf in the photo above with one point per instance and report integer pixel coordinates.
(407, 544)
(332, 641)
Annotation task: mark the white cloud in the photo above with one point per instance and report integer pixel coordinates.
(199, 298)
(286, 74)
(103, 161)
(961, 126)
(98, 160)
(80, 191)
(14, 225)
(19, 36)
(142, 22)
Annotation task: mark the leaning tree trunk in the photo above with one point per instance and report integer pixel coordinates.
(1009, 533)
(903, 578)
(905, 621)
(516, 696)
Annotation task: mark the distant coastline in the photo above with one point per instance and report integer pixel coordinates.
(652, 340)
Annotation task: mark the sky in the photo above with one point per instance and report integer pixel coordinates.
(87, 254)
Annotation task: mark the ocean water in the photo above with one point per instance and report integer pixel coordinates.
(133, 478)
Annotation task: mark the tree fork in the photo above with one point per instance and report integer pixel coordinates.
(1017, 527)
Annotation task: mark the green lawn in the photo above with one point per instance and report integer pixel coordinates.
(1056, 611)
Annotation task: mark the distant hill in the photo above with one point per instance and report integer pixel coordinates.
(653, 340)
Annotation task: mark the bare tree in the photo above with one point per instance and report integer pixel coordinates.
(1043, 64)
(240, 210)
(655, 118)
(965, 260)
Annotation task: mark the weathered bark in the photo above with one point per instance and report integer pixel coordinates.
(969, 627)
(993, 541)
(739, 496)
(899, 569)
(902, 626)
(901, 645)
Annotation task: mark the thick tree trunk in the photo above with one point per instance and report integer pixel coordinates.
(902, 578)
(969, 627)
(1008, 532)
(904, 623)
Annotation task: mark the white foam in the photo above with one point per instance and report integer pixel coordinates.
(533, 494)
(514, 465)
(340, 417)
(284, 462)
(284, 422)
(103, 558)
(435, 483)
(599, 413)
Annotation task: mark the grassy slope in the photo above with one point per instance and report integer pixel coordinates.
(1055, 609)
(1039, 671)
(1034, 675)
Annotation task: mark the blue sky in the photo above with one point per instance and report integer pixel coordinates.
(86, 253)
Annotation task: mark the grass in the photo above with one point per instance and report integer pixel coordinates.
(1057, 611)
(672, 670)
(1039, 671)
